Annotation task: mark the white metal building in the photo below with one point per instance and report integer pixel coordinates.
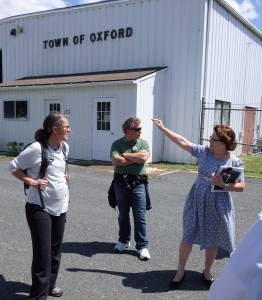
(100, 63)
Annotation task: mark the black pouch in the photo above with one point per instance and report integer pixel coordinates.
(112, 195)
(132, 181)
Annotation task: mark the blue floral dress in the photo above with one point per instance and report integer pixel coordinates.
(209, 218)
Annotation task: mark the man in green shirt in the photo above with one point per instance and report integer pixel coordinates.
(129, 155)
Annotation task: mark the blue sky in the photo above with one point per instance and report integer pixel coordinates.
(250, 9)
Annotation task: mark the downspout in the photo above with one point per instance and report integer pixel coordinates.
(208, 19)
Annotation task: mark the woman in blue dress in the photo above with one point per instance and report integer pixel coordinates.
(208, 218)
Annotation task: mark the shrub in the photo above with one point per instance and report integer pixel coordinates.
(14, 148)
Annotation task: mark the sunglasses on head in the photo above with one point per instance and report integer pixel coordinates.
(136, 129)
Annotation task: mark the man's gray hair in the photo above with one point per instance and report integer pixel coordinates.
(130, 122)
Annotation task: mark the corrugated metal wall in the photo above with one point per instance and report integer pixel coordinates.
(234, 65)
(168, 33)
(235, 61)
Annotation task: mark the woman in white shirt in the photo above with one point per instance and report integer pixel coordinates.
(46, 218)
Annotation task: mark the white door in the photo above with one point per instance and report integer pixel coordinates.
(53, 105)
(104, 116)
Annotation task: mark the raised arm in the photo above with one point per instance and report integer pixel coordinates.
(174, 137)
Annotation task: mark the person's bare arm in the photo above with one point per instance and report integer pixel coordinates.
(127, 158)
(178, 139)
(228, 187)
(118, 160)
(19, 174)
(138, 157)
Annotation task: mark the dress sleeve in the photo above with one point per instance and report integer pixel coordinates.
(239, 164)
(199, 151)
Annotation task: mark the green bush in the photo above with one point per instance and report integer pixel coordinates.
(14, 148)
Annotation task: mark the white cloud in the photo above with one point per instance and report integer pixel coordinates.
(14, 7)
(10, 8)
(89, 1)
(246, 8)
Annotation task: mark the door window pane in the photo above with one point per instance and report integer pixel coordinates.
(54, 107)
(103, 116)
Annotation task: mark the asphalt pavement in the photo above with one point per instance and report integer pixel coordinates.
(89, 268)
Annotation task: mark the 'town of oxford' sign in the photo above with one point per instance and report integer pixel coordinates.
(93, 37)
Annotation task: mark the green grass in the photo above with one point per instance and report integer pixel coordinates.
(173, 166)
(252, 163)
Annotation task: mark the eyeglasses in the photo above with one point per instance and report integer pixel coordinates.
(211, 139)
(67, 127)
(136, 129)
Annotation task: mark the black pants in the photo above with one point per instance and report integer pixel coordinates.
(47, 235)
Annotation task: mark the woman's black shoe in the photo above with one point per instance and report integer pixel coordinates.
(208, 281)
(175, 284)
(56, 292)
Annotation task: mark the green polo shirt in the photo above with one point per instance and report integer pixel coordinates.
(124, 146)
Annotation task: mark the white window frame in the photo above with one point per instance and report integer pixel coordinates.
(16, 114)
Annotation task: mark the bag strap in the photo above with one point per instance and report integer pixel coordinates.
(40, 195)
(44, 159)
(43, 167)
(66, 162)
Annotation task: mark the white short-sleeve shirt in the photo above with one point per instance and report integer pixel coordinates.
(56, 194)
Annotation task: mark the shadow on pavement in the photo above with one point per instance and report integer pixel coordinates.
(10, 289)
(153, 281)
(147, 282)
(90, 249)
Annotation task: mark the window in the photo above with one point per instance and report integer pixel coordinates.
(15, 109)
(54, 107)
(222, 112)
(103, 116)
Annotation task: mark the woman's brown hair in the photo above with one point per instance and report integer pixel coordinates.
(52, 120)
(226, 135)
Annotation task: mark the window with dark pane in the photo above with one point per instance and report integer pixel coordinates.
(54, 107)
(15, 109)
(21, 109)
(103, 116)
(9, 109)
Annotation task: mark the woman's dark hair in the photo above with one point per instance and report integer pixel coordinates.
(226, 135)
(52, 120)
(130, 123)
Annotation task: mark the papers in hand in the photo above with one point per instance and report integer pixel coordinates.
(229, 175)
